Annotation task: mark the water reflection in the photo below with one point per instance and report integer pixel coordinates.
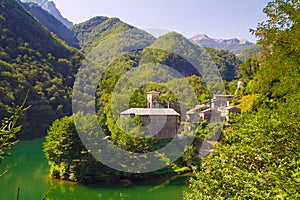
(28, 169)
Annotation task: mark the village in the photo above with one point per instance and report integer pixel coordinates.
(164, 123)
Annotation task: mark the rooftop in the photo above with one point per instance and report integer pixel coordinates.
(223, 95)
(193, 111)
(207, 110)
(152, 92)
(150, 111)
(230, 107)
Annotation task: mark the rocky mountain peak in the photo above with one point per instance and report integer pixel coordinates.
(200, 37)
(234, 45)
(51, 8)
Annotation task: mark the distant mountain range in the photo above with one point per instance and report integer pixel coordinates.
(51, 8)
(233, 45)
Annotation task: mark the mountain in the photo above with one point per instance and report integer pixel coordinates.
(52, 24)
(226, 62)
(33, 59)
(104, 30)
(178, 53)
(249, 52)
(51, 8)
(233, 45)
(104, 39)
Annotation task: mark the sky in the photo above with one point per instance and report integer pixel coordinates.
(224, 19)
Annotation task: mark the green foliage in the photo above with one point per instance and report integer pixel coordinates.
(8, 130)
(227, 63)
(209, 131)
(249, 52)
(67, 156)
(104, 35)
(258, 157)
(52, 24)
(175, 43)
(33, 59)
(280, 36)
(70, 160)
(191, 156)
(246, 103)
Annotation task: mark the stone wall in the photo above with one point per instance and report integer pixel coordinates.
(161, 127)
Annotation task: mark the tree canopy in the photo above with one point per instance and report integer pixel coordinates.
(32, 58)
(258, 157)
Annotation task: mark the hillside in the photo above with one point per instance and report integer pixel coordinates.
(33, 59)
(110, 33)
(52, 24)
(233, 45)
(249, 52)
(50, 7)
(258, 156)
(226, 62)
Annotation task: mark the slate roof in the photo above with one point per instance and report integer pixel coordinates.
(207, 110)
(230, 108)
(193, 111)
(150, 111)
(216, 96)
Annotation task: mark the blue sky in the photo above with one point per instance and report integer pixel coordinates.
(216, 18)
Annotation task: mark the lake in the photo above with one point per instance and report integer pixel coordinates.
(28, 169)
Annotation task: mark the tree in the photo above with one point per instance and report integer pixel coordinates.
(257, 159)
(259, 155)
(280, 37)
(8, 131)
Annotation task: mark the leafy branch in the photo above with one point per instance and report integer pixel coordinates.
(9, 129)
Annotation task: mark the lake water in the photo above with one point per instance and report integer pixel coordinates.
(28, 169)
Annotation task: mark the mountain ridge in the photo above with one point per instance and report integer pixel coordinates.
(52, 23)
(232, 40)
(50, 7)
(234, 45)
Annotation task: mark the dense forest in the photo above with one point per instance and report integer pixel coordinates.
(34, 59)
(257, 155)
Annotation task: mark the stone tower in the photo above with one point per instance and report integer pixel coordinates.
(152, 98)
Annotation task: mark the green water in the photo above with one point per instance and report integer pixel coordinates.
(28, 169)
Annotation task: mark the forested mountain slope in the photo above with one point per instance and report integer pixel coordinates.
(52, 24)
(33, 59)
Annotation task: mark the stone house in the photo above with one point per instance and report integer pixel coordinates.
(194, 114)
(161, 123)
(229, 109)
(216, 110)
(221, 100)
(205, 114)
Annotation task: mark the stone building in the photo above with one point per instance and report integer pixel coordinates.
(229, 109)
(221, 100)
(161, 123)
(194, 114)
(216, 110)
(152, 99)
